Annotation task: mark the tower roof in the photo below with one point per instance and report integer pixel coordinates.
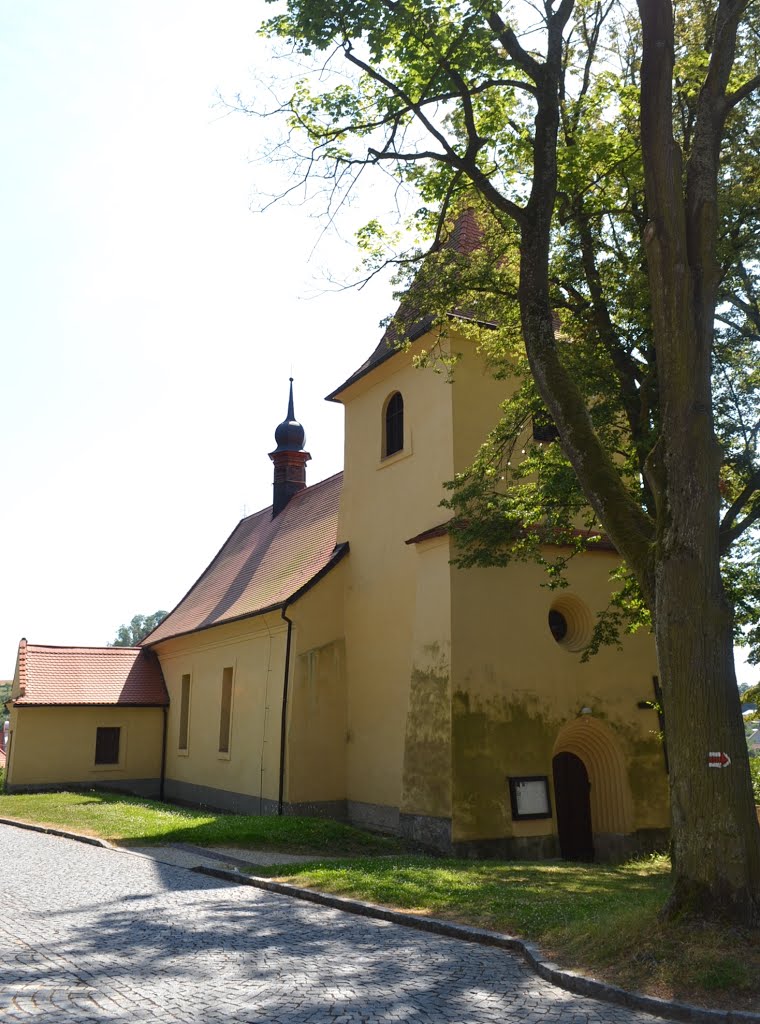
(290, 435)
(410, 321)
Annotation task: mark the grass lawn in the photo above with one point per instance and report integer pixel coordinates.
(131, 821)
(600, 920)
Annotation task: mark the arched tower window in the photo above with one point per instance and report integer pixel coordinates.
(394, 425)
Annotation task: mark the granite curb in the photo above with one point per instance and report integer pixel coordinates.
(48, 830)
(571, 981)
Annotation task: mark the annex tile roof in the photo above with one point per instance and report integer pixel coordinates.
(264, 564)
(88, 675)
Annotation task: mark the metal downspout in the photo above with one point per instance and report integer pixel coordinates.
(163, 755)
(284, 720)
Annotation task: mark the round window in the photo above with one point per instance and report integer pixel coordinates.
(558, 625)
(570, 622)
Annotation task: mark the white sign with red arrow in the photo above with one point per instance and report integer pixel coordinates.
(718, 759)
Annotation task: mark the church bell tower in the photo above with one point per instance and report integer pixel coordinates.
(289, 459)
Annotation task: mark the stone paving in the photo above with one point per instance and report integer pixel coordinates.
(185, 855)
(95, 935)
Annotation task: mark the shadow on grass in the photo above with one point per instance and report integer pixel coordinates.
(133, 821)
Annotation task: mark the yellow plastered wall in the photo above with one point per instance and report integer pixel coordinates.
(477, 399)
(427, 741)
(52, 745)
(384, 503)
(317, 704)
(516, 691)
(255, 651)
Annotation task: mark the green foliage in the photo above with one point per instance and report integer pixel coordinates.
(138, 628)
(754, 771)
(442, 96)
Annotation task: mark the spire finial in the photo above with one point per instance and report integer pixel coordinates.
(291, 414)
(290, 435)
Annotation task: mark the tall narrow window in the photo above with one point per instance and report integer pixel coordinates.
(225, 716)
(107, 745)
(184, 712)
(394, 424)
(544, 429)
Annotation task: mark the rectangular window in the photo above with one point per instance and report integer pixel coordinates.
(225, 716)
(184, 712)
(107, 745)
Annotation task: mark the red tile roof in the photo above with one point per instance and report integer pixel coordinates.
(264, 564)
(88, 675)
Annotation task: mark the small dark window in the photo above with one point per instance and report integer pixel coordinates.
(184, 712)
(543, 428)
(394, 424)
(225, 713)
(558, 625)
(107, 745)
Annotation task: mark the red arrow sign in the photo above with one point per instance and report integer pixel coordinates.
(718, 759)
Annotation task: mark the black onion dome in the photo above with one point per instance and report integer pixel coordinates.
(290, 435)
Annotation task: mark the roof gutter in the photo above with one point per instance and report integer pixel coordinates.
(284, 716)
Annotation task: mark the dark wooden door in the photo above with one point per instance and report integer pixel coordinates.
(572, 800)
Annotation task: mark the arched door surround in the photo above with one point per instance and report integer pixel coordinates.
(599, 749)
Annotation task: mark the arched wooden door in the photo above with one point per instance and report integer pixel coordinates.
(572, 800)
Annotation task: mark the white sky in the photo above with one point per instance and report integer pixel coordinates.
(149, 319)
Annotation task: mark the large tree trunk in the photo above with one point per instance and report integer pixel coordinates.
(715, 834)
(715, 842)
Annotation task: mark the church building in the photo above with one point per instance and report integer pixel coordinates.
(332, 661)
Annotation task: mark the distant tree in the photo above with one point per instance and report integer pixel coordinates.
(139, 627)
(751, 695)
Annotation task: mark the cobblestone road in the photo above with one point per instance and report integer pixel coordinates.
(92, 935)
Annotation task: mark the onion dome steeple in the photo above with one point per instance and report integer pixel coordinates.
(290, 435)
(289, 459)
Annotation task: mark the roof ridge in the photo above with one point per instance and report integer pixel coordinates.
(22, 674)
(107, 648)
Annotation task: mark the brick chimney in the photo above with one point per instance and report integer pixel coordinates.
(289, 459)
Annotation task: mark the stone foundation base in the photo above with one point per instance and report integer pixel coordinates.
(613, 848)
(609, 848)
(376, 817)
(189, 794)
(509, 848)
(432, 833)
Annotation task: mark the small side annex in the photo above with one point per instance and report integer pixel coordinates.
(86, 716)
